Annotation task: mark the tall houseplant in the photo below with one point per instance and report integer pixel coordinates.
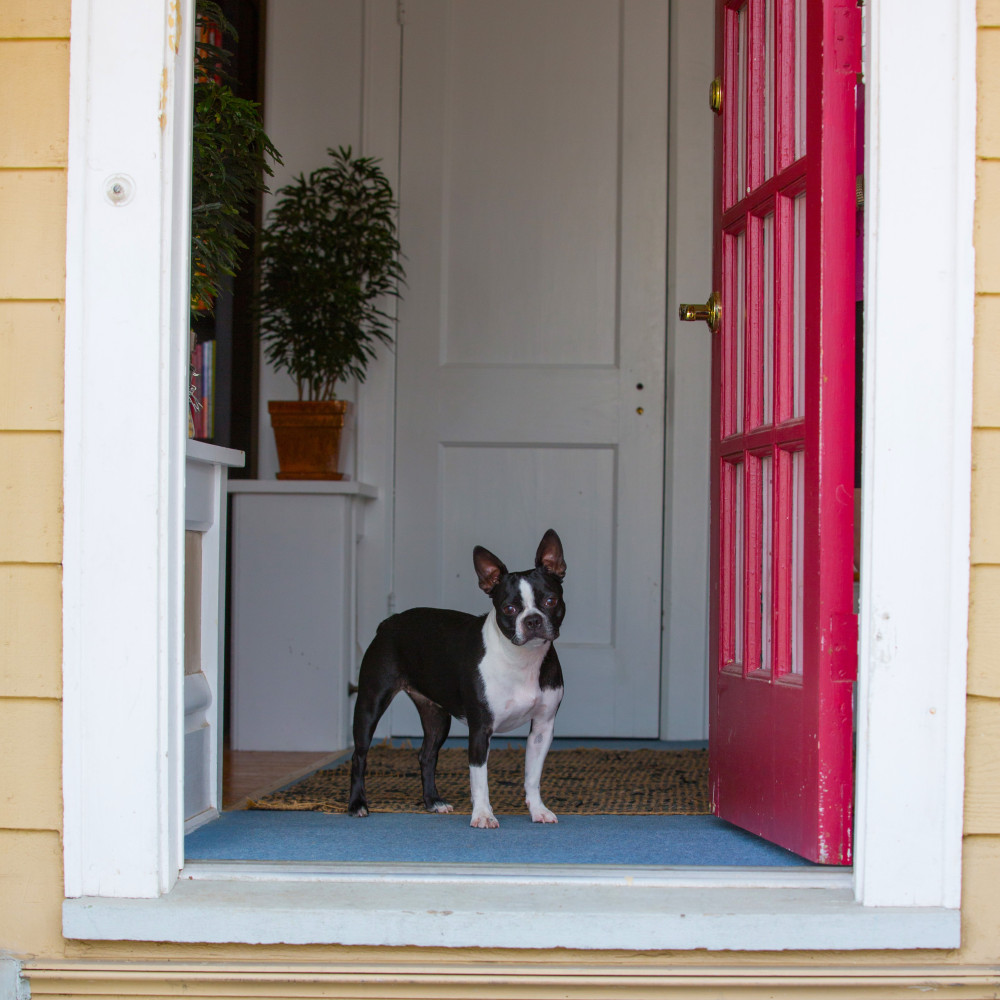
(230, 157)
(329, 261)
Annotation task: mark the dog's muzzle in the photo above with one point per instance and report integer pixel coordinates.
(534, 626)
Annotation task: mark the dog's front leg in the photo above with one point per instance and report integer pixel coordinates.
(479, 751)
(539, 741)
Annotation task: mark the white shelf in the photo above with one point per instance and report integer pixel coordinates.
(201, 451)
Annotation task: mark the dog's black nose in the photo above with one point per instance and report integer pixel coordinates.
(533, 623)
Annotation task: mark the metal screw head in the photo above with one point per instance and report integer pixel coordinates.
(119, 189)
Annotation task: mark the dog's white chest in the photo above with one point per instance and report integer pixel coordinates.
(510, 680)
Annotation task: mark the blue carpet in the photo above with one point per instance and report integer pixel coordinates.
(414, 838)
(424, 838)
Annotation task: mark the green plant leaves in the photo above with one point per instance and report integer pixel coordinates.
(329, 259)
(230, 154)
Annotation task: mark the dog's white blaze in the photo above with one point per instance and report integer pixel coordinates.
(530, 607)
(528, 600)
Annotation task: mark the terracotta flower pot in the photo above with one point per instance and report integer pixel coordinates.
(308, 437)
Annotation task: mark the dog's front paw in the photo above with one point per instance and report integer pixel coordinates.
(359, 809)
(483, 819)
(439, 807)
(540, 814)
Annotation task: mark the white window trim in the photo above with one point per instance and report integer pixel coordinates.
(123, 832)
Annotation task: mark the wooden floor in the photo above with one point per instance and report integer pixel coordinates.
(249, 773)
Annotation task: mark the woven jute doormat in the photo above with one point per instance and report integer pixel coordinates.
(585, 781)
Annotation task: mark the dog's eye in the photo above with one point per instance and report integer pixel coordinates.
(510, 610)
(550, 602)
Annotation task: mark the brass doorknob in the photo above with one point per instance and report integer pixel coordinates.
(715, 95)
(710, 312)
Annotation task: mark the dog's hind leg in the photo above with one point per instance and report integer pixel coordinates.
(373, 700)
(436, 723)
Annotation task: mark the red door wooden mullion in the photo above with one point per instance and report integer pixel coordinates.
(755, 97)
(781, 617)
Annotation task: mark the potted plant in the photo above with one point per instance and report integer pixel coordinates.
(230, 157)
(329, 260)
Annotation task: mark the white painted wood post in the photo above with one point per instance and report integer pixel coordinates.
(128, 221)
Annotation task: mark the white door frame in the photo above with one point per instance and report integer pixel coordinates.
(124, 523)
(127, 321)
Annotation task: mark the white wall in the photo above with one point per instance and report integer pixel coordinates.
(332, 78)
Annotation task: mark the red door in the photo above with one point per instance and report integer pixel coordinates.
(783, 630)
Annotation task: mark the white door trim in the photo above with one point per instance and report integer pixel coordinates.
(919, 303)
(127, 310)
(124, 502)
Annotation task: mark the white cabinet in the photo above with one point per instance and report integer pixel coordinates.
(206, 474)
(293, 612)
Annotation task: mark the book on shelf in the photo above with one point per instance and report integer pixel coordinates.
(201, 395)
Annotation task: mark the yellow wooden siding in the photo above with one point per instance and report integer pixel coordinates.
(983, 815)
(986, 388)
(34, 19)
(30, 764)
(30, 497)
(987, 16)
(984, 632)
(34, 73)
(981, 847)
(33, 221)
(31, 887)
(31, 384)
(982, 786)
(985, 546)
(34, 99)
(30, 634)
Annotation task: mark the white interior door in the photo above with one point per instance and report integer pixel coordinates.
(531, 337)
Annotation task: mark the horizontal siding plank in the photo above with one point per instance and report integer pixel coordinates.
(33, 223)
(30, 764)
(31, 366)
(30, 631)
(31, 876)
(988, 13)
(982, 766)
(980, 899)
(986, 233)
(984, 631)
(988, 85)
(34, 103)
(986, 374)
(34, 18)
(30, 497)
(985, 496)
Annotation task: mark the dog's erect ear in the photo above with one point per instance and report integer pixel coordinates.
(550, 554)
(489, 569)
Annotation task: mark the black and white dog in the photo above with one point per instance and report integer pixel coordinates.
(495, 672)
